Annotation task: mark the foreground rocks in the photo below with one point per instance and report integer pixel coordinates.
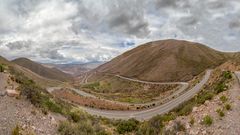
(228, 124)
(12, 93)
(22, 113)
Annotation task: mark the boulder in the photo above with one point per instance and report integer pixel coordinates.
(12, 93)
(2, 93)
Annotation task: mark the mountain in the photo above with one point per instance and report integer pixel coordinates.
(45, 82)
(50, 73)
(165, 60)
(74, 69)
(78, 69)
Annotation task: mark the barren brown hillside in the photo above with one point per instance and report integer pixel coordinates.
(50, 73)
(39, 79)
(165, 60)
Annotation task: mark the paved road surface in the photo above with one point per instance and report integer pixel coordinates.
(156, 102)
(237, 73)
(148, 82)
(185, 85)
(147, 114)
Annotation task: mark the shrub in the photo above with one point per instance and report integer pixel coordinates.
(156, 124)
(16, 130)
(102, 132)
(32, 92)
(1, 68)
(227, 75)
(192, 121)
(178, 126)
(75, 116)
(228, 106)
(223, 99)
(220, 112)
(145, 129)
(92, 86)
(220, 87)
(207, 120)
(78, 115)
(206, 95)
(52, 106)
(83, 128)
(185, 108)
(127, 126)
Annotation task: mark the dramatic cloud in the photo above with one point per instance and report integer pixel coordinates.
(66, 31)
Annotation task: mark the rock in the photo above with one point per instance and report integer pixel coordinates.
(2, 93)
(187, 126)
(204, 132)
(206, 102)
(34, 128)
(53, 121)
(192, 132)
(12, 93)
(194, 109)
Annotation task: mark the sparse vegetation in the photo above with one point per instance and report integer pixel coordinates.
(228, 107)
(223, 99)
(155, 125)
(127, 126)
(221, 85)
(192, 120)
(93, 86)
(178, 126)
(83, 124)
(77, 115)
(227, 75)
(114, 88)
(16, 130)
(206, 94)
(2, 68)
(207, 120)
(37, 95)
(220, 112)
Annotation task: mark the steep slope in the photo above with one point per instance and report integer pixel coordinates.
(37, 78)
(165, 60)
(50, 73)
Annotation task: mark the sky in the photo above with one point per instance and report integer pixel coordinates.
(81, 31)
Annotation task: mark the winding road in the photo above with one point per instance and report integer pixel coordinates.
(147, 114)
(237, 73)
(185, 85)
(180, 90)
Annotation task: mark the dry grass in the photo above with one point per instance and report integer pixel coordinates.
(114, 88)
(166, 60)
(87, 101)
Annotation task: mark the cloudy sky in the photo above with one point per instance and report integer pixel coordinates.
(68, 31)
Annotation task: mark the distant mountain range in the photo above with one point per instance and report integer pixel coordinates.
(75, 69)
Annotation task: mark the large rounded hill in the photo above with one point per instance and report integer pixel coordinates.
(165, 60)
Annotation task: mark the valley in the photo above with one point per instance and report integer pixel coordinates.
(110, 96)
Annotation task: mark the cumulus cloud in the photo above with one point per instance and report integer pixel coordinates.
(65, 31)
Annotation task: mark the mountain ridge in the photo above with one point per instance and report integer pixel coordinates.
(165, 60)
(50, 73)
